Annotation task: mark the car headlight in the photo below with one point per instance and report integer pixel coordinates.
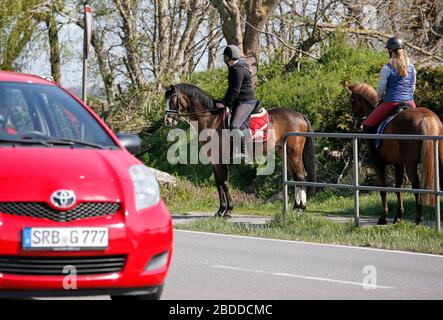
(146, 189)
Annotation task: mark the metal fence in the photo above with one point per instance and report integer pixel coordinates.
(356, 187)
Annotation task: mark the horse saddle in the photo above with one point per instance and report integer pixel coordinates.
(402, 106)
(257, 123)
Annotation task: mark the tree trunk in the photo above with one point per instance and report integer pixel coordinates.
(163, 33)
(18, 38)
(257, 13)
(189, 32)
(97, 42)
(229, 11)
(128, 12)
(54, 45)
(306, 45)
(213, 42)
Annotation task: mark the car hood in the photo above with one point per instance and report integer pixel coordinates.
(33, 174)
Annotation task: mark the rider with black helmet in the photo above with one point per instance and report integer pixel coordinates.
(396, 85)
(240, 95)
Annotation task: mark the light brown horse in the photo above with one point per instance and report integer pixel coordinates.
(402, 153)
(190, 102)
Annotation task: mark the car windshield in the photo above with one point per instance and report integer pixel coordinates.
(47, 115)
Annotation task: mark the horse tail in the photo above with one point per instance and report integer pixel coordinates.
(431, 128)
(309, 156)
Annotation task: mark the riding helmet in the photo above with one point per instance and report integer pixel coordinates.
(394, 44)
(231, 52)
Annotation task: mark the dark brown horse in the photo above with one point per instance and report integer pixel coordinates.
(402, 153)
(190, 102)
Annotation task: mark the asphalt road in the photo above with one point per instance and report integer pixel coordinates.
(220, 267)
(208, 266)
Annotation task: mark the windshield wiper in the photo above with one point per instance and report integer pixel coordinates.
(20, 141)
(72, 142)
(51, 142)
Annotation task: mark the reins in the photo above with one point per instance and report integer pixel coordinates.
(177, 113)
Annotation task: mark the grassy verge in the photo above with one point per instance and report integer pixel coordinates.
(403, 236)
(312, 226)
(186, 197)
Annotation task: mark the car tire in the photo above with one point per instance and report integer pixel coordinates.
(151, 296)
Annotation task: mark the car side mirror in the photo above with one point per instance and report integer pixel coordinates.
(131, 142)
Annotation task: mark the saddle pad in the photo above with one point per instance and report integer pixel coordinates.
(259, 125)
(381, 129)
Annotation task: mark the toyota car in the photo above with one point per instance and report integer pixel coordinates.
(79, 215)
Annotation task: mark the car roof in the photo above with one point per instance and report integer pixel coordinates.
(7, 76)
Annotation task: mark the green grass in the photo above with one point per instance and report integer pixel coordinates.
(342, 204)
(403, 236)
(312, 226)
(186, 197)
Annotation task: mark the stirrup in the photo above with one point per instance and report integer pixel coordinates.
(240, 156)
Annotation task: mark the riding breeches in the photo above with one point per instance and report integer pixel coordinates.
(241, 113)
(382, 111)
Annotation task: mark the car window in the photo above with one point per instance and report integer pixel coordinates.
(47, 112)
(20, 116)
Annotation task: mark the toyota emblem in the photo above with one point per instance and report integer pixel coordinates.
(63, 199)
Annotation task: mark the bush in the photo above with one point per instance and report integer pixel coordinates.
(429, 91)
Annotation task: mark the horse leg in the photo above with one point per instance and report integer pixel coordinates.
(399, 176)
(381, 180)
(295, 160)
(221, 193)
(225, 185)
(411, 170)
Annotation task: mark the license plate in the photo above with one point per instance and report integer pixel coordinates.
(65, 238)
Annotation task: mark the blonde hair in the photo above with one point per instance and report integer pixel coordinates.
(400, 62)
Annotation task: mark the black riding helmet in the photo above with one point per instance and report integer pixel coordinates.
(231, 52)
(394, 44)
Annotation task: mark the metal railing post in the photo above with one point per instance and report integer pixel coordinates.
(285, 176)
(356, 184)
(356, 190)
(437, 186)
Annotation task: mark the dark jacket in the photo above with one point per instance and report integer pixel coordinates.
(240, 84)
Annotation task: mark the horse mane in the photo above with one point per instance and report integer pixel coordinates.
(366, 91)
(195, 92)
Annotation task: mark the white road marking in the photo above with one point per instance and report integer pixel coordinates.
(313, 243)
(305, 277)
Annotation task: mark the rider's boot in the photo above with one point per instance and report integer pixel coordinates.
(370, 157)
(240, 152)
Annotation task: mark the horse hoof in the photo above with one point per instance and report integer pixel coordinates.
(299, 208)
(418, 222)
(219, 214)
(397, 220)
(227, 215)
(382, 222)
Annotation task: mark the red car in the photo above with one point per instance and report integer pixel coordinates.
(79, 215)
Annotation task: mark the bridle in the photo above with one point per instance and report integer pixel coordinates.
(176, 114)
(359, 119)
